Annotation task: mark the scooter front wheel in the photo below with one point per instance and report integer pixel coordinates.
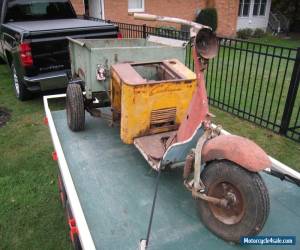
(247, 196)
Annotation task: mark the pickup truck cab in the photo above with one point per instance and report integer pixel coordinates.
(33, 42)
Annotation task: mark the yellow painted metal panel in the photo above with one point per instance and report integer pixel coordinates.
(137, 102)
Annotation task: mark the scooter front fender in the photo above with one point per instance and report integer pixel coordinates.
(237, 149)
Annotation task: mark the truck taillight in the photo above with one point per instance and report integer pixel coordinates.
(119, 35)
(25, 54)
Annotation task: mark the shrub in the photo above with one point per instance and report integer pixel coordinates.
(208, 17)
(244, 33)
(165, 31)
(258, 33)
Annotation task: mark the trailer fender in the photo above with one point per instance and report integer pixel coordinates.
(237, 149)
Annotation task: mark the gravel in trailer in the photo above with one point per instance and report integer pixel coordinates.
(107, 190)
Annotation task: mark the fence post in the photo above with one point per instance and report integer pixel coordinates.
(291, 96)
(144, 31)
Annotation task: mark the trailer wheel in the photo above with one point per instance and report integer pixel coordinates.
(248, 198)
(75, 108)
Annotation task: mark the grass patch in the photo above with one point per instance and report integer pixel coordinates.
(252, 81)
(290, 42)
(31, 216)
(279, 147)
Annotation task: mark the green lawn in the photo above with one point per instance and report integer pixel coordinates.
(279, 147)
(252, 80)
(31, 216)
(291, 42)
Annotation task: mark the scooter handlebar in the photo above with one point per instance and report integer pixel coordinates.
(147, 17)
(150, 17)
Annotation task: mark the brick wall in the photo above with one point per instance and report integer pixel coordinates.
(78, 5)
(227, 16)
(118, 11)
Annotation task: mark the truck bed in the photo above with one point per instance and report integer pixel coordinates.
(115, 188)
(52, 25)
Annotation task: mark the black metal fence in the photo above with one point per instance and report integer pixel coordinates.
(258, 82)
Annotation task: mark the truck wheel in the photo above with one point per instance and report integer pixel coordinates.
(20, 89)
(75, 108)
(248, 198)
(2, 61)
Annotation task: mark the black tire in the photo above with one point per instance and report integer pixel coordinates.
(245, 217)
(2, 61)
(75, 108)
(21, 91)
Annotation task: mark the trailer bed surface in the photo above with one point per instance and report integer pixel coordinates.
(115, 187)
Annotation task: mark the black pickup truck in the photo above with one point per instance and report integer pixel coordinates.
(33, 42)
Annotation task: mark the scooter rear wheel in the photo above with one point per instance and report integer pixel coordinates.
(248, 201)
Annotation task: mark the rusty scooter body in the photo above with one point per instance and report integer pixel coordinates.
(221, 171)
(162, 108)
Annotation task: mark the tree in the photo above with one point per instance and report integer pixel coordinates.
(208, 17)
(291, 9)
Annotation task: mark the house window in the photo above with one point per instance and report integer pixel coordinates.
(135, 5)
(244, 8)
(259, 8)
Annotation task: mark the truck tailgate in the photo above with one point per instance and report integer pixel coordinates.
(57, 25)
(49, 42)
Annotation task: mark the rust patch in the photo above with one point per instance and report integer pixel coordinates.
(237, 149)
(235, 210)
(198, 107)
(188, 166)
(154, 146)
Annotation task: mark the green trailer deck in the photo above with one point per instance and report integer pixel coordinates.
(115, 188)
